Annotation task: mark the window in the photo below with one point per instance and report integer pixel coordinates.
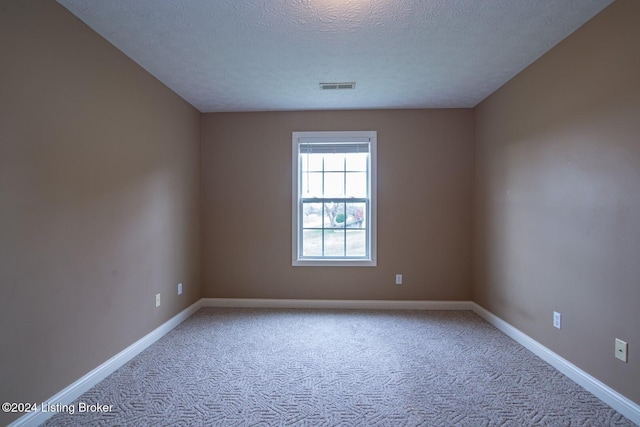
(334, 198)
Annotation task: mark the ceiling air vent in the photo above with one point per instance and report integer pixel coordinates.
(344, 85)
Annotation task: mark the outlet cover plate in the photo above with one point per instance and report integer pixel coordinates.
(157, 300)
(621, 350)
(557, 320)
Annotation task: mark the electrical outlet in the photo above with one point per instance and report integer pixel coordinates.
(179, 288)
(557, 320)
(621, 350)
(398, 279)
(157, 300)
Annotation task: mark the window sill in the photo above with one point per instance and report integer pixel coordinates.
(333, 263)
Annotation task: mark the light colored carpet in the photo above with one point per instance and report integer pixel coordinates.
(263, 367)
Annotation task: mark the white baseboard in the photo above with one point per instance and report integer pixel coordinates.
(82, 385)
(336, 304)
(626, 407)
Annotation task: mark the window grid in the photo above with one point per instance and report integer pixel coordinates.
(343, 228)
(325, 200)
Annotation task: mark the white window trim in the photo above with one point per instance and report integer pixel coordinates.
(372, 136)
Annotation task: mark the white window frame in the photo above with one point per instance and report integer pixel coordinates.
(332, 137)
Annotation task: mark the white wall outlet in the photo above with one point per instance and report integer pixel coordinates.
(621, 350)
(398, 279)
(557, 320)
(157, 300)
(179, 288)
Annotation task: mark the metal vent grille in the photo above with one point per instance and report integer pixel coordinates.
(342, 85)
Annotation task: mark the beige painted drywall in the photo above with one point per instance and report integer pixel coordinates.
(557, 198)
(99, 201)
(424, 201)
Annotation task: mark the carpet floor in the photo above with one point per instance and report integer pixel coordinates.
(267, 367)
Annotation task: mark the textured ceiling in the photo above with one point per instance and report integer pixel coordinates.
(259, 55)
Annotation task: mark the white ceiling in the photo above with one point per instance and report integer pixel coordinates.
(260, 55)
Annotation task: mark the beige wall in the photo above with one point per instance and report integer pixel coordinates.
(557, 198)
(99, 201)
(424, 201)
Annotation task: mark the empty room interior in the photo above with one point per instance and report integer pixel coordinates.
(148, 170)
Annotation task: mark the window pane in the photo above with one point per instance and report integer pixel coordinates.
(334, 184)
(311, 162)
(311, 184)
(356, 242)
(334, 162)
(312, 215)
(312, 243)
(356, 184)
(334, 215)
(356, 215)
(357, 162)
(334, 242)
